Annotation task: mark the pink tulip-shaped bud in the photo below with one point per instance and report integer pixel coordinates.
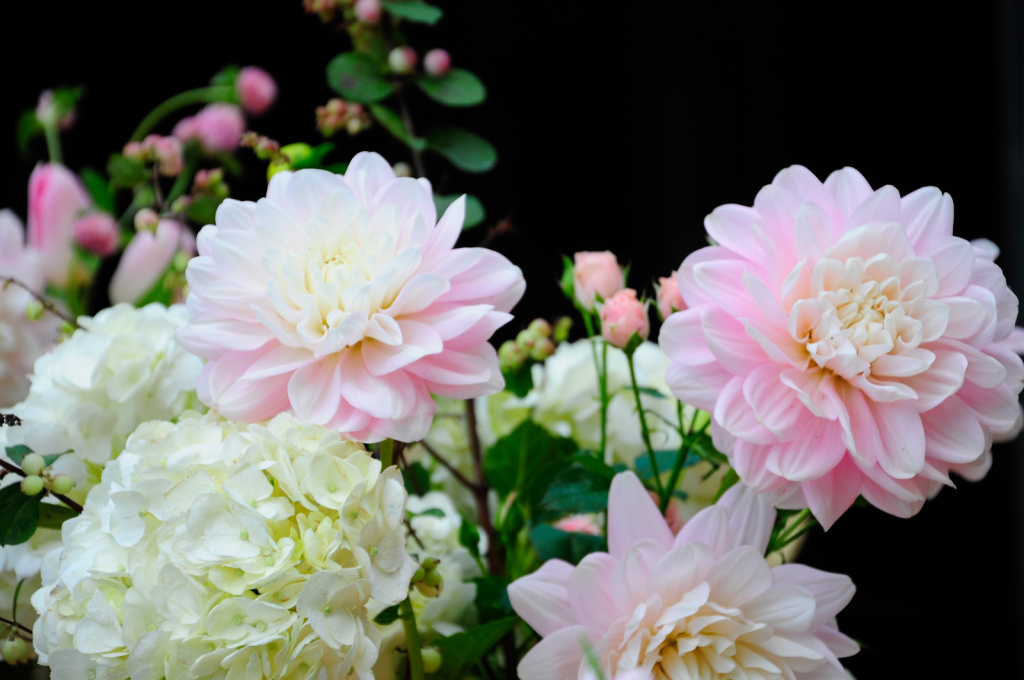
(402, 60)
(144, 261)
(436, 62)
(146, 220)
(218, 126)
(56, 199)
(669, 298)
(168, 156)
(579, 524)
(97, 233)
(622, 315)
(256, 89)
(367, 11)
(596, 274)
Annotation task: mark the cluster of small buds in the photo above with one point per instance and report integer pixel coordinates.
(323, 8)
(48, 113)
(97, 233)
(146, 219)
(534, 343)
(15, 650)
(38, 477)
(164, 151)
(367, 11)
(437, 62)
(210, 183)
(427, 578)
(402, 60)
(338, 114)
(265, 147)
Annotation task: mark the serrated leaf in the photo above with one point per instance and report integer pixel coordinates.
(356, 77)
(551, 544)
(28, 129)
(388, 615)
(461, 651)
(96, 184)
(17, 453)
(53, 516)
(126, 172)
(413, 10)
(393, 123)
(526, 461)
(19, 515)
(464, 149)
(475, 212)
(458, 87)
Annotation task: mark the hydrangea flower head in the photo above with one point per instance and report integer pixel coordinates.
(704, 604)
(341, 297)
(847, 344)
(212, 548)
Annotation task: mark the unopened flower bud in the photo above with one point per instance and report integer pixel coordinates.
(540, 328)
(62, 484)
(430, 563)
(436, 62)
(431, 659)
(429, 591)
(32, 485)
(367, 11)
(511, 356)
(562, 328)
(256, 89)
(596, 274)
(15, 650)
(133, 150)
(432, 578)
(402, 169)
(418, 575)
(181, 204)
(168, 155)
(623, 315)
(402, 60)
(669, 298)
(146, 220)
(97, 233)
(34, 310)
(542, 349)
(33, 464)
(526, 339)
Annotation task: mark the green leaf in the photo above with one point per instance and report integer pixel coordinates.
(519, 382)
(203, 209)
(651, 392)
(430, 512)
(703, 448)
(357, 78)
(28, 129)
(51, 457)
(475, 212)
(18, 515)
(666, 460)
(492, 598)
(394, 124)
(417, 479)
(53, 516)
(126, 172)
(413, 10)
(464, 149)
(226, 76)
(469, 537)
(387, 615)
(632, 344)
(583, 487)
(527, 461)
(337, 168)
(315, 158)
(96, 184)
(461, 651)
(17, 453)
(458, 87)
(727, 482)
(568, 283)
(14, 601)
(551, 543)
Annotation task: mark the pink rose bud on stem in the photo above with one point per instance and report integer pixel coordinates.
(596, 274)
(367, 11)
(402, 60)
(256, 90)
(623, 315)
(436, 62)
(97, 233)
(669, 298)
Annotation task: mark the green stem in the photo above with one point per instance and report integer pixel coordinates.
(52, 142)
(644, 431)
(387, 451)
(184, 178)
(677, 467)
(602, 377)
(412, 638)
(202, 95)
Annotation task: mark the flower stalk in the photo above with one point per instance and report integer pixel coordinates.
(412, 639)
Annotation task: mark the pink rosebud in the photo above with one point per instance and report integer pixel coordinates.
(596, 274)
(56, 199)
(367, 11)
(218, 126)
(256, 89)
(579, 524)
(669, 298)
(168, 155)
(146, 219)
(621, 316)
(436, 62)
(97, 233)
(402, 60)
(144, 261)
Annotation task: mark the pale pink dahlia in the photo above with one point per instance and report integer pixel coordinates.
(847, 344)
(341, 297)
(704, 604)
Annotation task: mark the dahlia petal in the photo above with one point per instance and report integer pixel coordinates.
(590, 595)
(735, 414)
(766, 302)
(233, 214)
(698, 386)
(983, 370)
(408, 197)
(633, 516)
(788, 608)
(751, 517)
(278, 360)
(898, 497)
(722, 283)
(881, 206)
(454, 321)
(831, 592)
(892, 435)
(954, 261)
(813, 230)
(953, 433)
(389, 397)
(915, 270)
(739, 576)
(632, 573)
(778, 345)
(729, 343)
(307, 190)
(315, 390)
(368, 173)
(682, 338)
(943, 378)
(909, 363)
(491, 279)
(418, 340)
(443, 237)
(775, 404)
(557, 657)
(816, 450)
(808, 187)
(967, 315)
(839, 644)
(996, 408)
(479, 332)
(542, 598)
(730, 225)
(849, 188)
(927, 215)
(449, 367)
(253, 399)
(682, 569)
(418, 293)
(688, 288)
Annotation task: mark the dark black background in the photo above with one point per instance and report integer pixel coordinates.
(619, 126)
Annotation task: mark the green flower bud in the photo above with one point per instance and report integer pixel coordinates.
(431, 659)
(32, 485)
(540, 328)
(430, 563)
(433, 578)
(562, 328)
(15, 650)
(526, 338)
(62, 484)
(418, 576)
(33, 464)
(511, 356)
(34, 310)
(542, 349)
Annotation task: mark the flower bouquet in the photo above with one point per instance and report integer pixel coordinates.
(271, 438)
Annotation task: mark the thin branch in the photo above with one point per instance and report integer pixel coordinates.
(11, 467)
(16, 624)
(495, 561)
(47, 305)
(503, 227)
(447, 466)
(412, 532)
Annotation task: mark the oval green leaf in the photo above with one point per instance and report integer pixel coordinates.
(475, 212)
(357, 78)
(19, 515)
(464, 149)
(413, 10)
(458, 87)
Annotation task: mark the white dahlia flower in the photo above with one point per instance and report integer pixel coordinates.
(212, 549)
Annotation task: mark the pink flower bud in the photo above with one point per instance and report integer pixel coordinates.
(146, 219)
(133, 150)
(256, 89)
(436, 62)
(673, 514)
(402, 60)
(97, 233)
(168, 155)
(669, 298)
(218, 126)
(579, 524)
(56, 199)
(367, 11)
(144, 261)
(596, 274)
(621, 316)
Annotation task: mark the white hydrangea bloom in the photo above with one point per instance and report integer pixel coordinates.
(122, 368)
(212, 549)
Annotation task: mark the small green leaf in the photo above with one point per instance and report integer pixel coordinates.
(727, 483)
(492, 598)
(464, 149)
(126, 172)
(417, 479)
(51, 457)
(475, 212)
(651, 392)
(387, 616)
(315, 157)
(96, 184)
(632, 344)
(469, 537)
(14, 601)
(551, 543)
(568, 283)
(461, 651)
(527, 460)
(430, 512)
(357, 78)
(666, 460)
(458, 87)
(17, 453)
(19, 515)
(413, 10)
(203, 209)
(519, 382)
(393, 123)
(53, 516)
(28, 128)
(581, 488)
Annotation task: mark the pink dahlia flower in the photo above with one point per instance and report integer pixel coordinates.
(341, 297)
(704, 604)
(846, 343)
